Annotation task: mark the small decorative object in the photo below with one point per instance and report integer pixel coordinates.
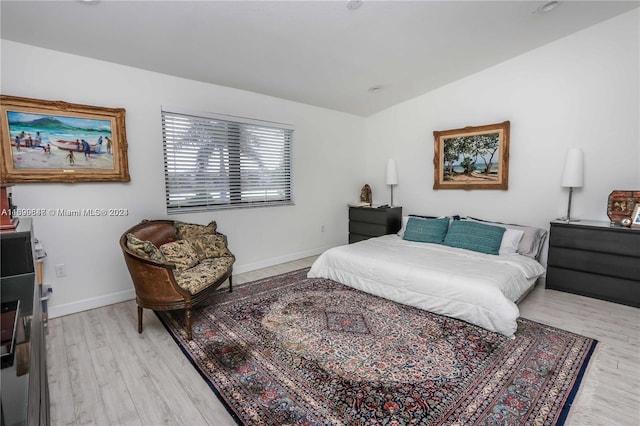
(635, 217)
(365, 195)
(472, 157)
(572, 176)
(392, 176)
(626, 222)
(621, 204)
(55, 141)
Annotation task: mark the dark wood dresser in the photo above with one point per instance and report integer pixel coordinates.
(595, 259)
(367, 222)
(25, 389)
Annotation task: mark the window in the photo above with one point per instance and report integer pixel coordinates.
(214, 161)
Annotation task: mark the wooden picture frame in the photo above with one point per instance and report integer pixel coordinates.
(621, 204)
(635, 217)
(56, 141)
(472, 157)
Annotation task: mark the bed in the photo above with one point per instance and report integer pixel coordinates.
(439, 277)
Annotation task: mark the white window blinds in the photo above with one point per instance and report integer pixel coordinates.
(216, 161)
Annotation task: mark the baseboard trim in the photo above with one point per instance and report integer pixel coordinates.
(248, 267)
(91, 303)
(123, 296)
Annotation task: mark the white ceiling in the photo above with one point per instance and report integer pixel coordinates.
(315, 52)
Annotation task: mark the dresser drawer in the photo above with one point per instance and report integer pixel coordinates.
(370, 229)
(625, 242)
(603, 287)
(368, 215)
(354, 238)
(598, 263)
(365, 222)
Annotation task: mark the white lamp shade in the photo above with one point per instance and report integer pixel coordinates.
(573, 173)
(392, 172)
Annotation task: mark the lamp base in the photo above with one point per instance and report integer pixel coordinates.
(567, 219)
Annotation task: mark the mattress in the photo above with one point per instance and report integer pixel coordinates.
(478, 288)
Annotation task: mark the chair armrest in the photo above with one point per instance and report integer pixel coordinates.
(153, 280)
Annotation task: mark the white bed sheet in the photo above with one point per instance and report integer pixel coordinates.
(474, 287)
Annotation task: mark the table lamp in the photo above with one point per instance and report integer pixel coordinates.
(392, 176)
(572, 175)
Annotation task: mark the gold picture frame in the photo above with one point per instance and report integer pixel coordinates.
(472, 157)
(57, 141)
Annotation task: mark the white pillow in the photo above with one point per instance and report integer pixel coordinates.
(405, 219)
(510, 240)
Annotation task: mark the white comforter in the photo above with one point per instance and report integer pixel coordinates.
(474, 287)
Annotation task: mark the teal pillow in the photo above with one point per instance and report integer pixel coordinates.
(474, 236)
(426, 230)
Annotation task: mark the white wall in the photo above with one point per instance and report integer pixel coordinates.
(580, 91)
(327, 149)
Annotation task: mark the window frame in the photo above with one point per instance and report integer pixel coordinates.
(235, 166)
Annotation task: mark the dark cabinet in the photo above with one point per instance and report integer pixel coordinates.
(367, 222)
(17, 265)
(595, 259)
(16, 250)
(25, 391)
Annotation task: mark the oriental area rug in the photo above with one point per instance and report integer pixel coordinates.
(288, 350)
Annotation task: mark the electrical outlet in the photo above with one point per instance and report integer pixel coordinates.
(61, 271)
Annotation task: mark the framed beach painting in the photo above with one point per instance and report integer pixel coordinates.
(56, 141)
(472, 157)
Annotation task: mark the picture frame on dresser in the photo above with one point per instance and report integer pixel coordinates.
(635, 217)
(620, 206)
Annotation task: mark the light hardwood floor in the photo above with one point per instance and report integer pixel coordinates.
(102, 372)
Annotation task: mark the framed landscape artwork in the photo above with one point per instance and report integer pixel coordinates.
(56, 141)
(472, 157)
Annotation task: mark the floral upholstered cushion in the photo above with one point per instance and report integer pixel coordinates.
(181, 253)
(203, 274)
(210, 246)
(144, 249)
(190, 230)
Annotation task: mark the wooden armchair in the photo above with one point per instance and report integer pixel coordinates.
(163, 285)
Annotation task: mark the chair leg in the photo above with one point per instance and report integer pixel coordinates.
(139, 319)
(188, 314)
(230, 283)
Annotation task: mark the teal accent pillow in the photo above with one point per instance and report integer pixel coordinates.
(426, 230)
(474, 236)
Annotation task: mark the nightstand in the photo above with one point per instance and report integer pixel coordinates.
(367, 222)
(595, 259)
